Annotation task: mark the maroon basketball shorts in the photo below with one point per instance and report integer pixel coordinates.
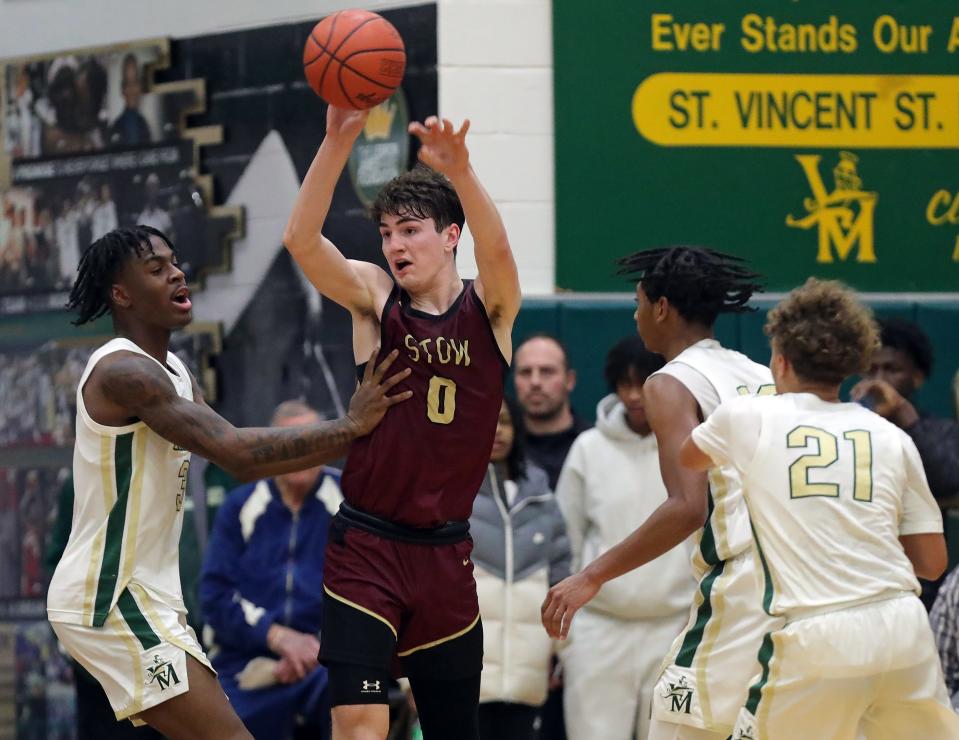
(401, 605)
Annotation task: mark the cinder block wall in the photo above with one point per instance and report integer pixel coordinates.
(496, 68)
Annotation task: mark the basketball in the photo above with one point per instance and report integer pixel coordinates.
(354, 59)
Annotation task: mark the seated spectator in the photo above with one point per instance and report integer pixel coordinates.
(519, 550)
(898, 370)
(610, 484)
(945, 625)
(261, 591)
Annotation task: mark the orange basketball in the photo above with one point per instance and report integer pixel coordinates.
(354, 59)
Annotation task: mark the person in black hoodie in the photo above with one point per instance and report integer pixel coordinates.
(899, 369)
(544, 380)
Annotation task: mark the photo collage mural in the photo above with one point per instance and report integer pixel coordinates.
(207, 139)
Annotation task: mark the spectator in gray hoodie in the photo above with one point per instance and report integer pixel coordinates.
(520, 549)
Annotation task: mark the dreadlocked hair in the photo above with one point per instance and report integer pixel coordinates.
(699, 283)
(100, 264)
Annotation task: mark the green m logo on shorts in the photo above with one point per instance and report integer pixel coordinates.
(161, 673)
(680, 695)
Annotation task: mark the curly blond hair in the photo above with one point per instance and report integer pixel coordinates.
(824, 331)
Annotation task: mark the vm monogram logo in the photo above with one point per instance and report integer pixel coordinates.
(161, 673)
(844, 216)
(680, 695)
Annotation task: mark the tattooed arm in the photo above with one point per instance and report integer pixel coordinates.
(335, 453)
(135, 387)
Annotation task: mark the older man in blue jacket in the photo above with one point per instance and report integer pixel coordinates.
(261, 592)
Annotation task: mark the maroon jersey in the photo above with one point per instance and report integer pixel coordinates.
(424, 463)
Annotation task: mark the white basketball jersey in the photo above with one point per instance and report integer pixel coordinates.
(129, 484)
(714, 374)
(831, 487)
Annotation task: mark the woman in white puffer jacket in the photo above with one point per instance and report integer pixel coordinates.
(520, 549)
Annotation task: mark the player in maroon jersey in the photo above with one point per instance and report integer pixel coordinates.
(399, 582)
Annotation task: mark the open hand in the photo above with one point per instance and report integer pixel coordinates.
(370, 402)
(563, 601)
(441, 146)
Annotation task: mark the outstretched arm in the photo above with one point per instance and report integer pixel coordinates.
(673, 413)
(138, 386)
(444, 149)
(350, 283)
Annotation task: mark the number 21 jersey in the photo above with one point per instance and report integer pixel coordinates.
(830, 487)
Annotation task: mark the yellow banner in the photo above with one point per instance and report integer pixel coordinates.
(795, 110)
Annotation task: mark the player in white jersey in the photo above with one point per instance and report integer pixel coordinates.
(844, 520)
(115, 600)
(680, 293)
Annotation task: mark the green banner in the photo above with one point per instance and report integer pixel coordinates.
(812, 138)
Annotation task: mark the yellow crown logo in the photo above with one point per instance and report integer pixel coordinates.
(380, 121)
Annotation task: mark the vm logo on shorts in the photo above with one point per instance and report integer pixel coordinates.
(371, 687)
(680, 695)
(161, 673)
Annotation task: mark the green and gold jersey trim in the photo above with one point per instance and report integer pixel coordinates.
(108, 489)
(756, 690)
(694, 636)
(760, 697)
(704, 612)
(118, 626)
(133, 506)
(768, 587)
(118, 475)
(718, 517)
(150, 613)
(135, 620)
(707, 542)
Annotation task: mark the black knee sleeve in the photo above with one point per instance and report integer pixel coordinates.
(354, 684)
